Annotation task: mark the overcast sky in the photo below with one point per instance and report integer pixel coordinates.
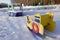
(5, 1)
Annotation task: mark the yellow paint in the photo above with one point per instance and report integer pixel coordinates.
(41, 29)
(30, 20)
(37, 15)
(51, 27)
(48, 19)
(46, 22)
(29, 25)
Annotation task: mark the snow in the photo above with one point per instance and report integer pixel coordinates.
(14, 28)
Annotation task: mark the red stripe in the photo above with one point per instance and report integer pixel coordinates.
(35, 25)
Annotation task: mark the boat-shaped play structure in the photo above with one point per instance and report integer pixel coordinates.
(40, 23)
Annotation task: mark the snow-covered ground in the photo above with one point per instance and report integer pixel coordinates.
(14, 28)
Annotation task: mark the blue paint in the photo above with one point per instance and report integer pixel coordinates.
(16, 14)
(19, 14)
(38, 34)
(36, 20)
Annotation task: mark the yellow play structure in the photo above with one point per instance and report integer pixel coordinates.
(41, 23)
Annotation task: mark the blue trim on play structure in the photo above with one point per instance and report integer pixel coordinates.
(38, 34)
(19, 14)
(36, 20)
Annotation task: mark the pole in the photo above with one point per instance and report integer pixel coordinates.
(8, 6)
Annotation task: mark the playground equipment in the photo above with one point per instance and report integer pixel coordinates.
(41, 23)
(13, 12)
